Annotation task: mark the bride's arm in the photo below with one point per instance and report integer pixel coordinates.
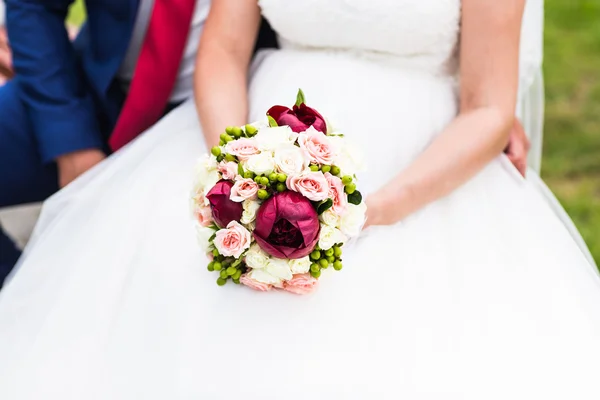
(220, 79)
(489, 51)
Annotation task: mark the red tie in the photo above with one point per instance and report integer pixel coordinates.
(156, 70)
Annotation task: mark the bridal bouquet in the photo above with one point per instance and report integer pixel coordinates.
(275, 202)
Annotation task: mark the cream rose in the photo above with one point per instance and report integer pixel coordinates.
(353, 219)
(349, 158)
(256, 258)
(330, 218)
(203, 234)
(243, 148)
(311, 185)
(276, 271)
(233, 240)
(250, 209)
(290, 159)
(317, 145)
(243, 189)
(268, 139)
(261, 164)
(300, 265)
(330, 236)
(206, 174)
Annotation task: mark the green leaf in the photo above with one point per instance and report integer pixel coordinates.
(300, 98)
(237, 262)
(324, 206)
(355, 198)
(272, 122)
(241, 170)
(214, 227)
(214, 235)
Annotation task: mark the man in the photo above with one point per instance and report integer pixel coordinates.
(72, 103)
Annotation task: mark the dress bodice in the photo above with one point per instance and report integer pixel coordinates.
(423, 33)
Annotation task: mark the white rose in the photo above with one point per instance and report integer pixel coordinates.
(261, 164)
(256, 257)
(330, 218)
(349, 158)
(275, 272)
(353, 219)
(300, 265)
(270, 138)
(330, 236)
(206, 174)
(250, 209)
(202, 235)
(290, 159)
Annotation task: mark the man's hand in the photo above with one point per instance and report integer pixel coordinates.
(518, 147)
(6, 70)
(71, 165)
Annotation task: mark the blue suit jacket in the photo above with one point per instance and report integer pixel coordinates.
(69, 89)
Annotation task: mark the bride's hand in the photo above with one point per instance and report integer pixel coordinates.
(375, 211)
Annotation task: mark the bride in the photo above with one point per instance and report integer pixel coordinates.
(465, 285)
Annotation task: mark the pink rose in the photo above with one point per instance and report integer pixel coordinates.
(336, 193)
(228, 170)
(204, 216)
(319, 148)
(300, 284)
(242, 148)
(253, 284)
(311, 185)
(243, 189)
(233, 240)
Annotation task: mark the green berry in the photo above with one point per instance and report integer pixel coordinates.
(249, 175)
(315, 255)
(329, 252)
(257, 179)
(224, 274)
(216, 151)
(337, 251)
(281, 187)
(315, 275)
(272, 176)
(324, 263)
(236, 281)
(314, 267)
(281, 177)
(335, 170)
(229, 130)
(264, 180)
(231, 271)
(237, 132)
(325, 168)
(251, 130)
(211, 266)
(237, 275)
(350, 188)
(221, 142)
(314, 168)
(337, 265)
(330, 259)
(221, 281)
(223, 136)
(215, 253)
(346, 179)
(228, 139)
(217, 266)
(263, 194)
(229, 157)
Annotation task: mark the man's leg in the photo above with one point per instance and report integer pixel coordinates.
(23, 178)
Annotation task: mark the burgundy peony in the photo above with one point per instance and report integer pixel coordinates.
(224, 210)
(287, 226)
(300, 118)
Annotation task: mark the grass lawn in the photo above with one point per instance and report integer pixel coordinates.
(571, 162)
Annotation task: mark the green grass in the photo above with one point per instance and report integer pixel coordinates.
(571, 162)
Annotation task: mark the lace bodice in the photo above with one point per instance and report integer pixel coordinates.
(423, 33)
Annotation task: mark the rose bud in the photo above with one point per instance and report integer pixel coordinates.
(224, 210)
(287, 226)
(300, 118)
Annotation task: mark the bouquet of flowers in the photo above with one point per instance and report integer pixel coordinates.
(275, 202)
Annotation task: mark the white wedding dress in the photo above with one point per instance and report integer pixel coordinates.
(481, 295)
